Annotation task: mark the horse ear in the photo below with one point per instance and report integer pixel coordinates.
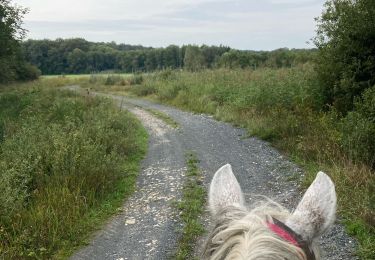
(224, 190)
(316, 211)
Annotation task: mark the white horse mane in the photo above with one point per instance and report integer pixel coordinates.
(240, 233)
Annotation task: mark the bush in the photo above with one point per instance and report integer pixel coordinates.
(358, 129)
(346, 58)
(27, 71)
(7, 72)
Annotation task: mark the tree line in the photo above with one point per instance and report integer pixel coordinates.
(74, 56)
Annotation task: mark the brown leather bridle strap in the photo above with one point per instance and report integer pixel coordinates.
(301, 242)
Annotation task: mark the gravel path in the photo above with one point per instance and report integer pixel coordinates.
(147, 227)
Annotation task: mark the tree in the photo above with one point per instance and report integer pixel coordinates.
(12, 64)
(346, 59)
(194, 59)
(11, 30)
(77, 60)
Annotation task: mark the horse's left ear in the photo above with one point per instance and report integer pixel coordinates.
(316, 211)
(224, 190)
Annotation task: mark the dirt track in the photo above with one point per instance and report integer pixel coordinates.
(147, 227)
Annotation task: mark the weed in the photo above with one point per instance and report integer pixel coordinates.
(191, 208)
(164, 117)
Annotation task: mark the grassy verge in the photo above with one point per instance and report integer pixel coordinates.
(86, 76)
(191, 207)
(162, 116)
(66, 163)
(284, 106)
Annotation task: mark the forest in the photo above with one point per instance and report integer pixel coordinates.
(78, 56)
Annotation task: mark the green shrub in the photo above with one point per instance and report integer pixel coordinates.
(358, 129)
(346, 57)
(27, 71)
(62, 159)
(7, 72)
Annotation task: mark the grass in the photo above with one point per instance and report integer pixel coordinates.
(283, 106)
(191, 208)
(162, 116)
(66, 164)
(74, 76)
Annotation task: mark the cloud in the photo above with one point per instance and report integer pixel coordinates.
(245, 24)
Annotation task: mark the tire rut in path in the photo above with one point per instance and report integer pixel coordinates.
(147, 227)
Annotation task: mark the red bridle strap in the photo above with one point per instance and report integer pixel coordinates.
(292, 237)
(282, 233)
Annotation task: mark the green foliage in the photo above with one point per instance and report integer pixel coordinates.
(359, 129)
(191, 207)
(26, 71)
(144, 89)
(365, 234)
(10, 27)
(136, 79)
(194, 59)
(112, 80)
(80, 56)
(346, 60)
(262, 89)
(66, 162)
(273, 59)
(12, 64)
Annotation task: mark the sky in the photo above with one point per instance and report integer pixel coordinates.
(240, 24)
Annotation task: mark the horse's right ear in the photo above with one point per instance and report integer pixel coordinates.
(316, 211)
(224, 190)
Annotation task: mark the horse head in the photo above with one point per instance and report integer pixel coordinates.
(267, 231)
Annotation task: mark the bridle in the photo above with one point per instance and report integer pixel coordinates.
(292, 237)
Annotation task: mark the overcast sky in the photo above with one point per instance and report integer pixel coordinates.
(241, 24)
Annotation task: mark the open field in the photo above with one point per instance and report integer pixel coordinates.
(285, 107)
(67, 162)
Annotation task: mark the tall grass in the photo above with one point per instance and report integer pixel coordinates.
(286, 106)
(66, 163)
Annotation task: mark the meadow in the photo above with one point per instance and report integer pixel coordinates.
(85, 76)
(66, 164)
(285, 106)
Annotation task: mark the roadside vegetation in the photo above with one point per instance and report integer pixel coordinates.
(66, 163)
(286, 107)
(191, 208)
